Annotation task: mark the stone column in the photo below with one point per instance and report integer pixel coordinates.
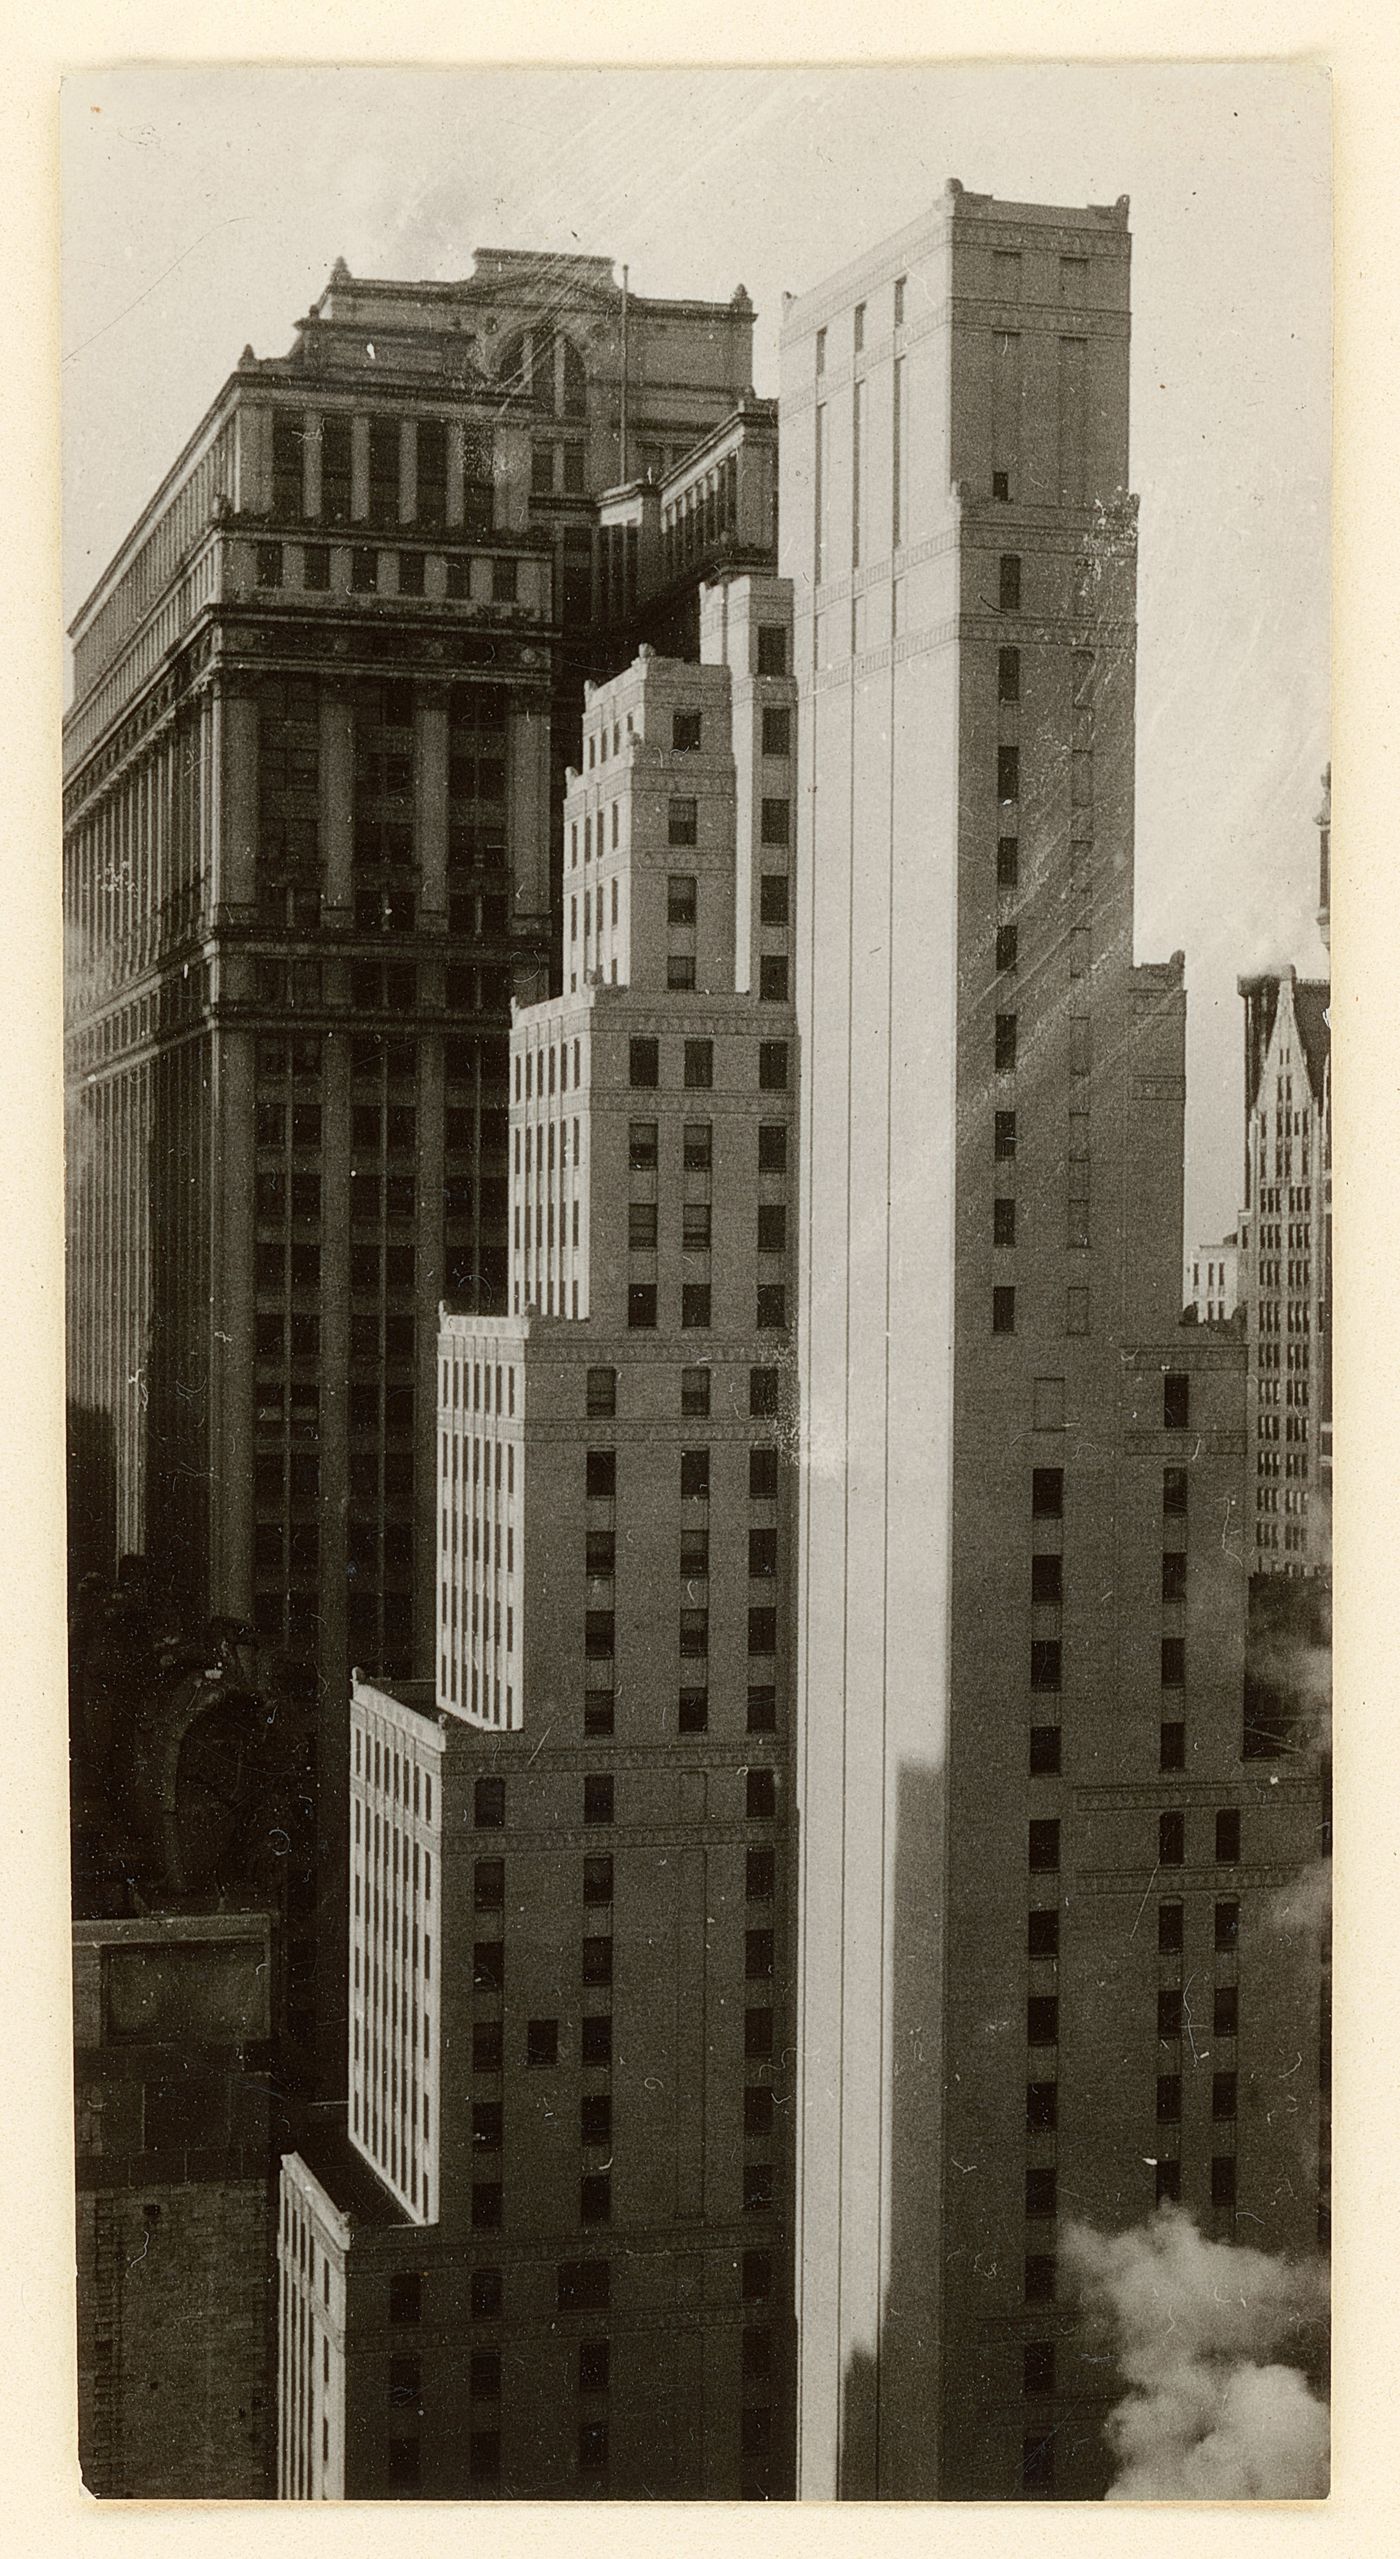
(359, 469)
(236, 842)
(528, 784)
(408, 470)
(311, 465)
(456, 470)
(430, 801)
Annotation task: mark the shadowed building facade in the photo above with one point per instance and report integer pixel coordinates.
(553, 2256)
(1038, 1971)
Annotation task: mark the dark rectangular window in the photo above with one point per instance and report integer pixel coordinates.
(1224, 2096)
(1173, 1661)
(759, 1874)
(1174, 1576)
(593, 2363)
(699, 1065)
(772, 649)
(1045, 1662)
(1223, 2188)
(1043, 1847)
(597, 1879)
(772, 1066)
(1003, 1310)
(1226, 2017)
(1168, 2181)
(695, 1226)
(775, 821)
(316, 566)
(1005, 1043)
(364, 571)
(1008, 675)
(1045, 1750)
(489, 1883)
(763, 1474)
(758, 2187)
(1171, 1918)
(1174, 1491)
(643, 1062)
(487, 2047)
(1047, 1578)
(1171, 1747)
(1169, 2098)
(269, 564)
(685, 732)
(405, 2298)
(756, 2281)
(1042, 1935)
(595, 2042)
(641, 1143)
(505, 581)
(597, 1962)
(410, 573)
(487, 2292)
(1009, 583)
(695, 1391)
(1038, 2282)
(758, 2109)
(1168, 2015)
(1176, 1400)
(680, 897)
(1041, 2194)
(584, 2286)
(758, 2034)
(601, 1392)
(763, 1554)
(1042, 2021)
(763, 1630)
(758, 1954)
(486, 2124)
(641, 1307)
(683, 822)
(1008, 861)
(598, 1799)
(489, 1803)
(488, 1964)
(762, 1710)
(777, 732)
(1006, 946)
(695, 1306)
(694, 1634)
(1047, 1492)
(600, 1473)
(1227, 1927)
(760, 1794)
(1171, 1839)
(597, 1710)
(1003, 1222)
(1004, 1136)
(1008, 773)
(1042, 2105)
(695, 1474)
(763, 1392)
(1227, 1838)
(693, 1710)
(772, 1308)
(599, 1634)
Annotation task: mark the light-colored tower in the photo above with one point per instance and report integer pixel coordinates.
(571, 2027)
(1028, 1845)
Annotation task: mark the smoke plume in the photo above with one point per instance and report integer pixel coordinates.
(1211, 2411)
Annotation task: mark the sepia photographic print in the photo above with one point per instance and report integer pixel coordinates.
(696, 797)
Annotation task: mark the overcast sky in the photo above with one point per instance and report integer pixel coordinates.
(203, 210)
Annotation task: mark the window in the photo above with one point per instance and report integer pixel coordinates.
(758, 2187)
(1224, 2096)
(597, 1799)
(316, 566)
(1168, 2181)
(1039, 2279)
(601, 1392)
(1003, 1222)
(1042, 2021)
(1168, 2015)
(1174, 1576)
(758, 1954)
(763, 1630)
(1227, 1927)
(695, 1474)
(763, 1392)
(641, 1144)
(758, 2111)
(1001, 484)
(763, 1554)
(1171, 1919)
(1043, 1847)
(1226, 2018)
(694, 1634)
(597, 1710)
(760, 1794)
(1042, 2105)
(1046, 1667)
(1176, 1400)
(405, 2298)
(405, 2459)
(1009, 583)
(1006, 946)
(762, 1710)
(680, 898)
(486, 2125)
(1227, 1838)
(595, 2042)
(593, 2363)
(695, 1226)
(364, 571)
(695, 1306)
(488, 1964)
(1223, 2188)
(269, 563)
(772, 1066)
(487, 2044)
(859, 327)
(595, 2197)
(1008, 773)
(695, 1390)
(597, 1962)
(699, 1065)
(758, 2034)
(599, 1634)
(772, 978)
(593, 2432)
(1008, 681)
(1045, 1750)
(775, 821)
(763, 1474)
(489, 1883)
(597, 1879)
(641, 1307)
(600, 1473)
(600, 1551)
(696, 1146)
(773, 898)
(1169, 2098)
(1004, 1051)
(1003, 1310)
(1174, 1491)
(1047, 1579)
(410, 572)
(777, 732)
(584, 2286)
(1173, 1661)
(643, 1062)
(1041, 2195)
(1043, 1935)
(683, 822)
(685, 732)
(693, 1711)
(1004, 1137)
(1171, 1839)
(489, 1803)
(1047, 1492)
(772, 649)
(1171, 1747)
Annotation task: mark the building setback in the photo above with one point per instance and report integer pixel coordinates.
(553, 2255)
(324, 696)
(1038, 1970)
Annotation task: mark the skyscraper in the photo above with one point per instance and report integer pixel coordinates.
(1038, 1968)
(553, 2255)
(324, 696)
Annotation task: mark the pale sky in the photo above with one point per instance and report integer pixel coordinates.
(203, 210)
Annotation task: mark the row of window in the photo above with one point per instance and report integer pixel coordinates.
(370, 571)
(599, 1799)
(600, 1464)
(580, 2285)
(770, 1314)
(1043, 1857)
(698, 1073)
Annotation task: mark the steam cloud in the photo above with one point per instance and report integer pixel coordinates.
(1198, 2325)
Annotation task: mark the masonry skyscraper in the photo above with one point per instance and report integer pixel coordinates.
(1038, 1973)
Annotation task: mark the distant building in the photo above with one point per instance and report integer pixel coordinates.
(552, 2257)
(1212, 1282)
(1286, 1270)
(175, 2170)
(1039, 1972)
(325, 695)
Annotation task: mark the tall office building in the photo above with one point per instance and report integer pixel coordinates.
(1037, 1968)
(324, 694)
(552, 2256)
